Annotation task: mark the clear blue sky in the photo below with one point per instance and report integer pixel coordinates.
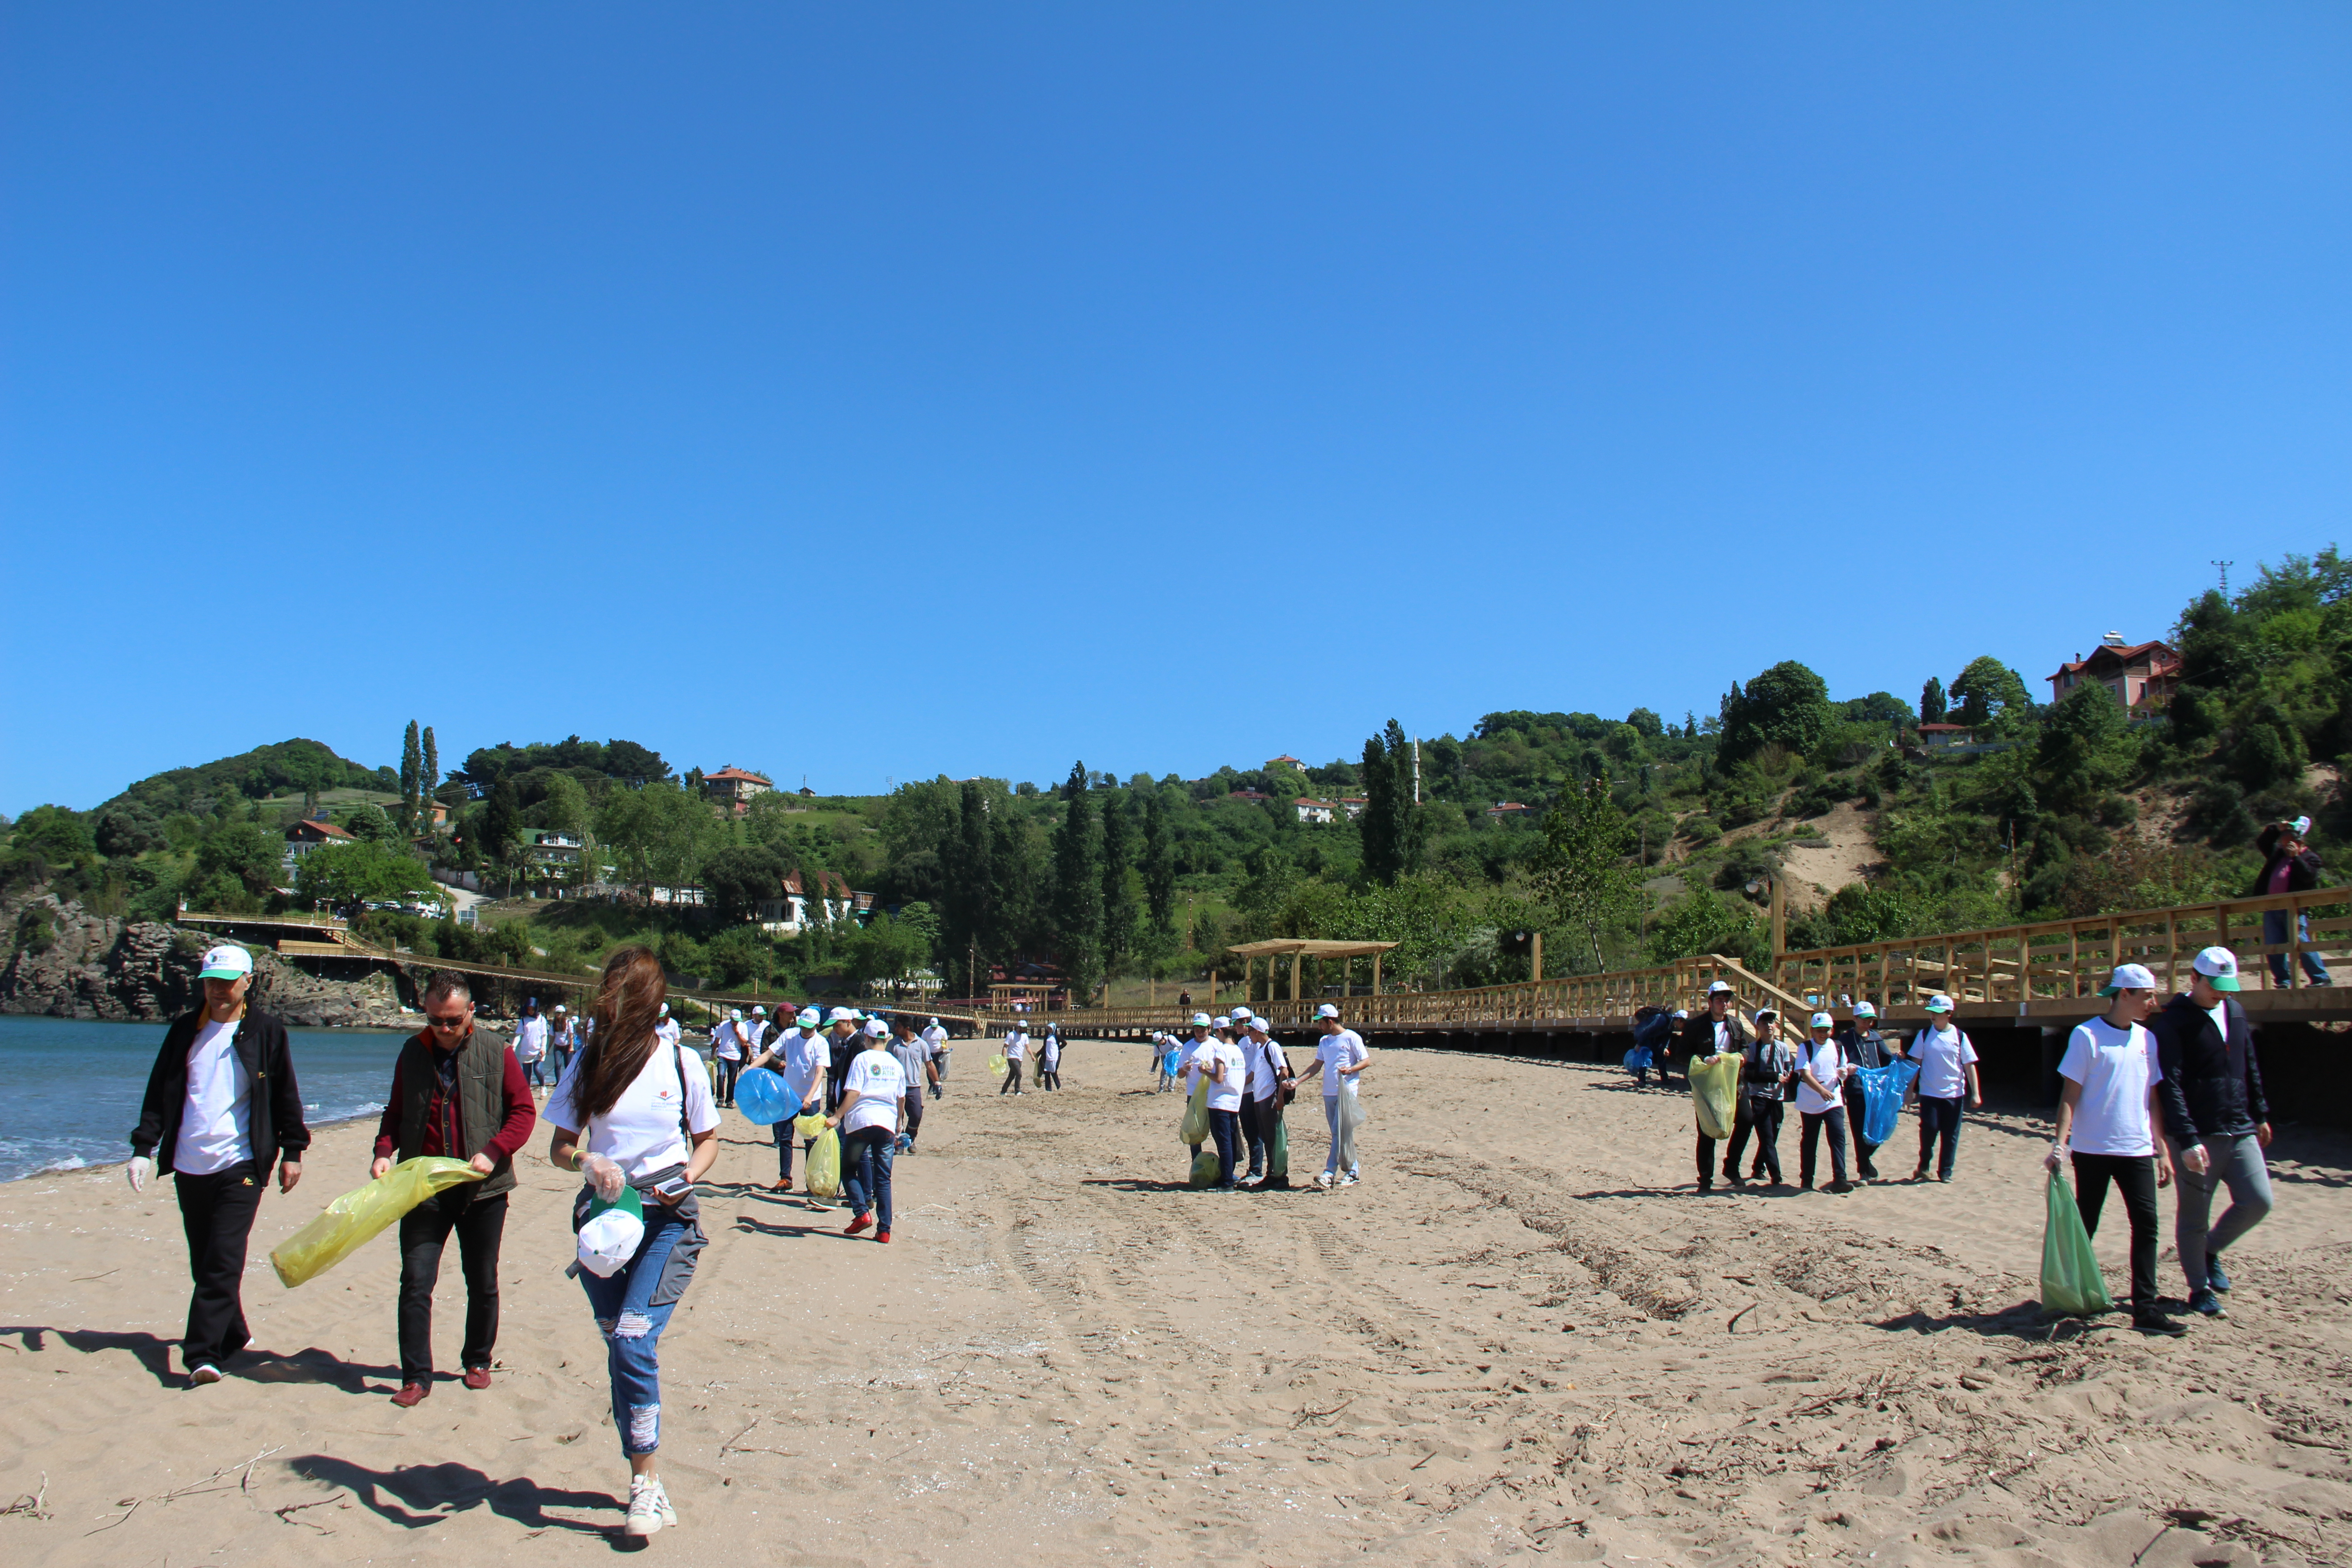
(877, 392)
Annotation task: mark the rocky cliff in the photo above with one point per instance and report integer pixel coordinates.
(95, 966)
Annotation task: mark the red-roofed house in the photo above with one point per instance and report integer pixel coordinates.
(1312, 810)
(1502, 809)
(309, 833)
(2141, 675)
(733, 788)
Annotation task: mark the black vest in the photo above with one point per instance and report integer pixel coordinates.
(481, 1100)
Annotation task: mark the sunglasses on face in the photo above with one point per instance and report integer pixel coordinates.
(458, 1021)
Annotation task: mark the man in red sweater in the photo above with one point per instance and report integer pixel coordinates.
(456, 1090)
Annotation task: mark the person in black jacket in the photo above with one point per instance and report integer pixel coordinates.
(222, 1107)
(2218, 1120)
(2288, 866)
(1719, 1028)
(1864, 1046)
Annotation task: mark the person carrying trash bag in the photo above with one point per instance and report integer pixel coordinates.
(1866, 1050)
(1821, 1072)
(1344, 1059)
(2107, 1111)
(1765, 1067)
(1654, 1027)
(868, 1127)
(459, 1091)
(1718, 1031)
(801, 1056)
(632, 1115)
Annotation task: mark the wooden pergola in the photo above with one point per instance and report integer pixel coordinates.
(1298, 950)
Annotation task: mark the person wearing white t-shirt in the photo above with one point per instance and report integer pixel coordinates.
(1049, 1058)
(868, 1119)
(937, 1038)
(1821, 1072)
(1221, 1063)
(1342, 1053)
(634, 1114)
(2107, 1111)
(530, 1038)
(1947, 1074)
(799, 1055)
(1269, 1080)
(668, 1029)
(727, 1049)
(1188, 1058)
(1016, 1051)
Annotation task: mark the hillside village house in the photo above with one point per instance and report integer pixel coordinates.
(734, 788)
(1317, 811)
(1353, 804)
(833, 900)
(307, 835)
(1507, 810)
(2143, 676)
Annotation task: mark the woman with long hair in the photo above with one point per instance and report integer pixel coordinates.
(631, 1114)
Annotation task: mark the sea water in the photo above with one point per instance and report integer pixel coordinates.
(71, 1089)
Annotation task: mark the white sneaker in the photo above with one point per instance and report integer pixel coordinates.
(1347, 1181)
(204, 1371)
(1323, 1178)
(649, 1507)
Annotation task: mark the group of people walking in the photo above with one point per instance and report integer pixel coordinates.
(1017, 1048)
(1250, 1081)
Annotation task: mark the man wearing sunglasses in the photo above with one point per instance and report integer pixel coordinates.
(457, 1092)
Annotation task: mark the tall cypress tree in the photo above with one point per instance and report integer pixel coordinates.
(1159, 866)
(1391, 825)
(964, 909)
(430, 780)
(1118, 899)
(1077, 908)
(412, 774)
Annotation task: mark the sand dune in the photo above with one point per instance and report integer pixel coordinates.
(1523, 1336)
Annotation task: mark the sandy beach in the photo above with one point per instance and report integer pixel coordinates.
(1522, 1336)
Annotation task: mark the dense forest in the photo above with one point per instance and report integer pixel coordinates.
(1627, 840)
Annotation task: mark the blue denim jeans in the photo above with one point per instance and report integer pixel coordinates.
(632, 1309)
(2275, 935)
(865, 1156)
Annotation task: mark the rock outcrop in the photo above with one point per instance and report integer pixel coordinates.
(96, 966)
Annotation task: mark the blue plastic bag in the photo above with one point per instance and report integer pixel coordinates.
(1882, 1098)
(763, 1097)
(1638, 1059)
(1169, 1062)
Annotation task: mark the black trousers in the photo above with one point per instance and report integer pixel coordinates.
(1939, 1120)
(1257, 1140)
(216, 1213)
(1862, 1148)
(1834, 1120)
(479, 1223)
(914, 1103)
(1759, 1119)
(2135, 1177)
(1267, 1113)
(1012, 1079)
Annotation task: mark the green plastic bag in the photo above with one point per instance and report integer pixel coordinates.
(825, 1165)
(350, 1220)
(1195, 1127)
(1277, 1158)
(1714, 1087)
(809, 1126)
(2071, 1280)
(1205, 1166)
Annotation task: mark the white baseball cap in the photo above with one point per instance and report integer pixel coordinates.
(809, 1018)
(559, 1007)
(665, 1011)
(1200, 1020)
(758, 1012)
(1223, 1021)
(734, 1015)
(847, 1015)
(1720, 988)
(1682, 1012)
(1241, 1014)
(2128, 977)
(2219, 965)
(877, 1028)
(1823, 1021)
(1766, 1014)
(1939, 1002)
(226, 962)
(1326, 1011)
(1864, 1010)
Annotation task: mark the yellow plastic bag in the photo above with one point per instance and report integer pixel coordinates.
(809, 1126)
(1715, 1086)
(825, 1165)
(997, 1064)
(1195, 1127)
(350, 1220)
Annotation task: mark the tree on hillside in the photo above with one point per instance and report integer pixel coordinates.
(1077, 906)
(412, 774)
(1393, 824)
(1931, 701)
(1117, 897)
(1159, 866)
(740, 878)
(430, 776)
(343, 877)
(1582, 870)
(1988, 691)
(1788, 705)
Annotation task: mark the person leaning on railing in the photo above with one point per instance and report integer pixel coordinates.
(2288, 866)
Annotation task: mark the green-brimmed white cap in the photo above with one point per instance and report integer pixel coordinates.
(1864, 1010)
(809, 1018)
(1823, 1021)
(876, 1028)
(847, 1015)
(2128, 977)
(1939, 1002)
(2219, 965)
(1200, 1020)
(1326, 1011)
(226, 962)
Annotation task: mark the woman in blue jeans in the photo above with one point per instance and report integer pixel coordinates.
(634, 1114)
(871, 1101)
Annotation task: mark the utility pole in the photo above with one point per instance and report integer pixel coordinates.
(2224, 566)
(1416, 769)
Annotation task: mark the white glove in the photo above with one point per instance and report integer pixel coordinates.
(603, 1175)
(142, 1167)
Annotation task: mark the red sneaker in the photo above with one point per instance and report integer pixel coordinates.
(477, 1378)
(881, 1235)
(411, 1396)
(862, 1222)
